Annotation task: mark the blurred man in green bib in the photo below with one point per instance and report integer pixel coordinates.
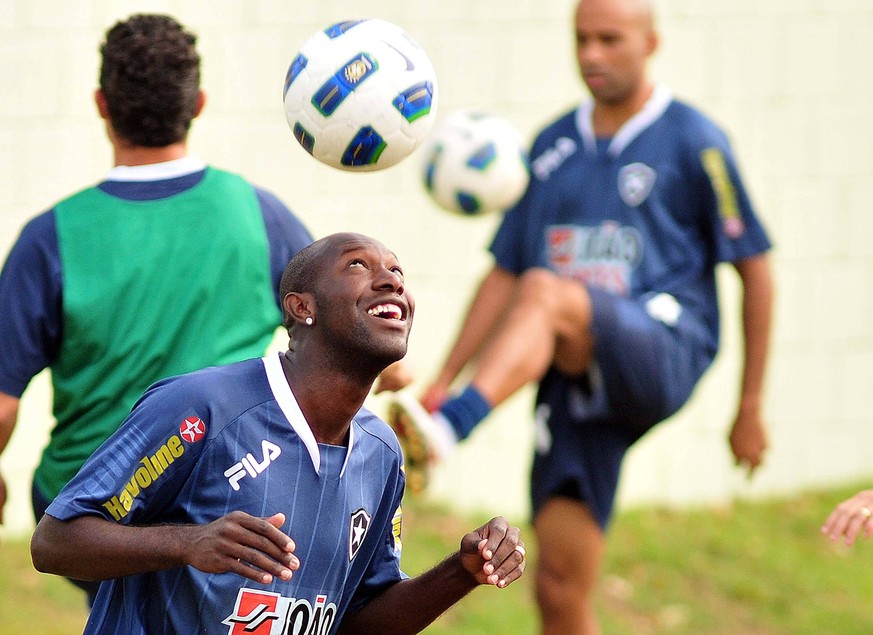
(109, 288)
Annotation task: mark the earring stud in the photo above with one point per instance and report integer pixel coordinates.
(309, 321)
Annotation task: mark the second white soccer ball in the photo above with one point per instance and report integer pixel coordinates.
(475, 163)
(360, 95)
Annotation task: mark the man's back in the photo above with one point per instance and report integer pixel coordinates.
(115, 299)
(137, 279)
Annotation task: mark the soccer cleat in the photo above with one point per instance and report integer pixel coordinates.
(424, 439)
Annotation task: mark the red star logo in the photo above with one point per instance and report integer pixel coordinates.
(192, 429)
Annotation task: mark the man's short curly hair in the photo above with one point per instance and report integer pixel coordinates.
(300, 275)
(150, 77)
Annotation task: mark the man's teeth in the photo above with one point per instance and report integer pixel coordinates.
(391, 311)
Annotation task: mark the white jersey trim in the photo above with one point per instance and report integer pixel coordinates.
(650, 113)
(291, 409)
(156, 171)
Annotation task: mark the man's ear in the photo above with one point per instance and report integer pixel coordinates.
(100, 100)
(299, 306)
(201, 102)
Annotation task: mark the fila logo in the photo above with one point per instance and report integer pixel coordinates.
(249, 465)
(552, 158)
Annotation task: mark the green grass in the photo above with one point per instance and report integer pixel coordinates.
(750, 569)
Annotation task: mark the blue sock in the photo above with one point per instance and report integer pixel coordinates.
(465, 411)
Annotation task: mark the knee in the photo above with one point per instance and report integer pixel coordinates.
(558, 590)
(539, 285)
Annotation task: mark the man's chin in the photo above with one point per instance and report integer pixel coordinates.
(383, 354)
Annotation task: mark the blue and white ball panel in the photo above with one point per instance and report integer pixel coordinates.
(343, 82)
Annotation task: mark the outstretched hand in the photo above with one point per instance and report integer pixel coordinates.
(850, 518)
(748, 439)
(246, 545)
(494, 553)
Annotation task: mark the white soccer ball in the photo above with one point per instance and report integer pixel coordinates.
(475, 163)
(360, 95)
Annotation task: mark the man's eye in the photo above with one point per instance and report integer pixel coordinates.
(357, 262)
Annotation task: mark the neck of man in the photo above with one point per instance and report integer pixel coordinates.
(609, 116)
(329, 398)
(131, 155)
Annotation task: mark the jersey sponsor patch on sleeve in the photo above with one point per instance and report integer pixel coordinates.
(149, 469)
(192, 429)
(396, 527)
(725, 193)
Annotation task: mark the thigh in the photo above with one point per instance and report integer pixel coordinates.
(580, 461)
(563, 308)
(648, 368)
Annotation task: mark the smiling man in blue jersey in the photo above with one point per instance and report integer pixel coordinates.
(259, 497)
(603, 291)
(107, 289)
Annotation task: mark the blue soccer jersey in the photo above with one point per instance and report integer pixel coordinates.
(649, 211)
(227, 438)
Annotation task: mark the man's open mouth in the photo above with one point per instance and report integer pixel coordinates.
(387, 312)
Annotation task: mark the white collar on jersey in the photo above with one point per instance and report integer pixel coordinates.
(291, 409)
(156, 171)
(651, 111)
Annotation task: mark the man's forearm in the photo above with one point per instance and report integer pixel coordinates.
(8, 417)
(113, 550)
(757, 318)
(410, 605)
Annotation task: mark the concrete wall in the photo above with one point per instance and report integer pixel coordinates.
(789, 79)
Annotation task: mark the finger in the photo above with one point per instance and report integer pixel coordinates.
(509, 553)
(861, 518)
(829, 523)
(246, 570)
(837, 524)
(510, 569)
(851, 530)
(493, 534)
(848, 522)
(484, 551)
(276, 520)
(839, 515)
(836, 521)
(275, 564)
(264, 546)
(268, 528)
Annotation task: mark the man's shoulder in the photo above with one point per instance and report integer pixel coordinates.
(562, 125)
(376, 428)
(38, 229)
(687, 119)
(228, 381)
